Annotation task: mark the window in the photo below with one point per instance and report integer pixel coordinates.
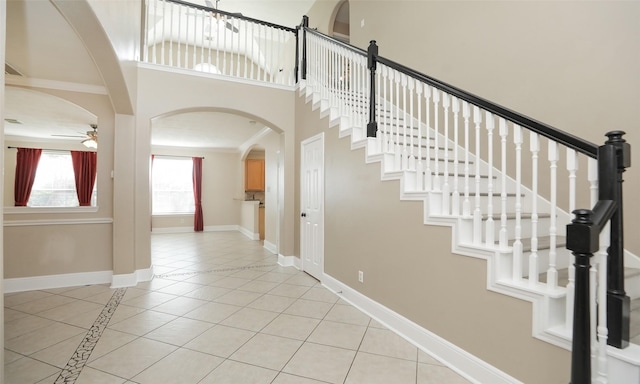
(172, 186)
(54, 184)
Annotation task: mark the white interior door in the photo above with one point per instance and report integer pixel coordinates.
(312, 206)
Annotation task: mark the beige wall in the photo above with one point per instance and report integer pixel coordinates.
(409, 267)
(572, 65)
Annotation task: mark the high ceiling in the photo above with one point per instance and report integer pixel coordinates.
(44, 49)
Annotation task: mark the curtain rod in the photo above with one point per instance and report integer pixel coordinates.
(190, 157)
(49, 149)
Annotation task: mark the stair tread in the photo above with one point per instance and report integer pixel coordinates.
(544, 242)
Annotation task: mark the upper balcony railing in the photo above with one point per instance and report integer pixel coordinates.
(190, 36)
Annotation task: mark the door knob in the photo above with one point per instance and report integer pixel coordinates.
(303, 214)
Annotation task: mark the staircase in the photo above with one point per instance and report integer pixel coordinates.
(459, 160)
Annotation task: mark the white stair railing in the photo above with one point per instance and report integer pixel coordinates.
(195, 37)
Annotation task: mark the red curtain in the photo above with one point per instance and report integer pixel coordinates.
(26, 165)
(198, 221)
(84, 169)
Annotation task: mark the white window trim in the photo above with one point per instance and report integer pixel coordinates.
(42, 210)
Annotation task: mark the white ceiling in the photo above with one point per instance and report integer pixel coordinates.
(41, 45)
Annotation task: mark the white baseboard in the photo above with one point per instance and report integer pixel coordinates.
(33, 283)
(459, 360)
(289, 261)
(269, 246)
(248, 233)
(131, 279)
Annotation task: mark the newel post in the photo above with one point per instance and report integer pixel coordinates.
(583, 243)
(305, 25)
(613, 159)
(372, 55)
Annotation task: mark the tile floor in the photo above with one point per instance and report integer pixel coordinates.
(220, 310)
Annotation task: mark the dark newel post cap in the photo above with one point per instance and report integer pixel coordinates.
(372, 55)
(582, 234)
(305, 21)
(624, 148)
(583, 216)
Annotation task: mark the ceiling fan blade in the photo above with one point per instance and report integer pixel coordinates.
(230, 27)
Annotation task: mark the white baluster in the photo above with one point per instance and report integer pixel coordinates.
(387, 137)
(517, 244)
(572, 167)
(171, 5)
(427, 106)
(490, 224)
(436, 134)
(602, 330)
(455, 196)
(155, 32)
(179, 53)
(592, 166)
(245, 49)
(466, 204)
(195, 34)
(552, 273)
(218, 45)
(503, 237)
(446, 197)
(534, 146)
(477, 213)
(397, 159)
(420, 164)
(380, 103)
(405, 154)
(209, 19)
(412, 157)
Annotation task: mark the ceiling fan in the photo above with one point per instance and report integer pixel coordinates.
(222, 17)
(89, 139)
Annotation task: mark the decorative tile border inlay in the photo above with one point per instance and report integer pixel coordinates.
(165, 275)
(71, 372)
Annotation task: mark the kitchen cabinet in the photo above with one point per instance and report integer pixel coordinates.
(254, 175)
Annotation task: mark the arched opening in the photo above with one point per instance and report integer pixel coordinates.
(341, 22)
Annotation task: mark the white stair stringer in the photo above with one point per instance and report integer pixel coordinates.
(548, 305)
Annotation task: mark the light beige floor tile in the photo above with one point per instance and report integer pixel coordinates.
(320, 294)
(42, 338)
(110, 341)
(205, 278)
(154, 284)
(179, 331)
(275, 277)
(43, 304)
(180, 306)
(179, 288)
(247, 274)
(207, 293)
(142, 323)
(27, 370)
(24, 325)
(259, 286)
(74, 308)
(294, 327)
(50, 379)
(375, 324)
(250, 319)
(132, 293)
(288, 290)
(425, 358)
(233, 372)
(149, 300)
(238, 297)
(267, 351)
(272, 303)
(285, 378)
(302, 279)
(10, 315)
(347, 314)
(85, 320)
(213, 312)
(374, 369)
(60, 353)
(132, 358)
(181, 366)
(101, 298)
(387, 343)
(308, 308)
(321, 362)
(13, 299)
(124, 312)
(88, 291)
(435, 374)
(93, 376)
(10, 356)
(220, 340)
(230, 282)
(340, 335)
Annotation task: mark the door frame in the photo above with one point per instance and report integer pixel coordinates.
(320, 137)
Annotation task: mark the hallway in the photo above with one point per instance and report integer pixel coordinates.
(220, 310)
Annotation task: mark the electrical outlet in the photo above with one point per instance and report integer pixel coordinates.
(361, 276)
